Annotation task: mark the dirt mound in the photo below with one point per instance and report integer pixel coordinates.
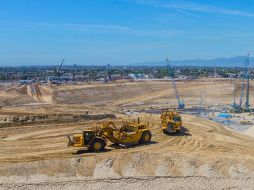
(14, 95)
(10, 88)
(40, 93)
(134, 165)
(178, 169)
(22, 89)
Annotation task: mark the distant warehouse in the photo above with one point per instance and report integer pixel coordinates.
(26, 82)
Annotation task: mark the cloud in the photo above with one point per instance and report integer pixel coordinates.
(84, 26)
(96, 28)
(195, 7)
(118, 29)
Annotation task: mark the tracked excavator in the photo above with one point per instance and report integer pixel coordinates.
(130, 133)
(171, 122)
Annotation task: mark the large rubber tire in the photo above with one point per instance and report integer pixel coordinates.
(97, 145)
(165, 131)
(146, 137)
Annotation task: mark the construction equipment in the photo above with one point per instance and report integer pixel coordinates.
(247, 102)
(171, 122)
(181, 104)
(238, 108)
(59, 69)
(130, 133)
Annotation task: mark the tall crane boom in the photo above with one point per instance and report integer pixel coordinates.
(180, 103)
(244, 94)
(176, 92)
(60, 67)
(244, 78)
(247, 102)
(58, 70)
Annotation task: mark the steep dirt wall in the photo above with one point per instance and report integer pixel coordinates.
(40, 93)
(215, 92)
(133, 165)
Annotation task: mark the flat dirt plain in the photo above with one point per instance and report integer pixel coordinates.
(35, 121)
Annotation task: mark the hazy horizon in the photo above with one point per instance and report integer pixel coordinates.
(236, 61)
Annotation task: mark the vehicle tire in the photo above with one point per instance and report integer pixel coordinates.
(178, 131)
(146, 137)
(165, 131)
(97, 145)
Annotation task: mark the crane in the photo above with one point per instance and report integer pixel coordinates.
(245, 76)
(247, 101)
(240, 107)
(181, 104)
(242, 94)
(58, 70)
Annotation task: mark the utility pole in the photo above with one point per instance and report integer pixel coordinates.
(203, 94)
(108, 72)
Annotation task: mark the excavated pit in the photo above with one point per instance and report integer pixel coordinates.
(34, 154)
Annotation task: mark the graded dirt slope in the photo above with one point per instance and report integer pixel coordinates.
(114, 95)
(215, 91)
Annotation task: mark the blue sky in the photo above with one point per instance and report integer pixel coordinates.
(42, 32)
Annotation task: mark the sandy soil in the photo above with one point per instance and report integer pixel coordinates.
(205, 155)
(250, 131)
(137, 183)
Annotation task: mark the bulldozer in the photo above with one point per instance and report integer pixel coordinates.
(130, 133)
(171, 122)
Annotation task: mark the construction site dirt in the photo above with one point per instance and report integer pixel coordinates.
(34, 125)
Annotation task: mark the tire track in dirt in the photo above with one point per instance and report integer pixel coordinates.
(50, 144)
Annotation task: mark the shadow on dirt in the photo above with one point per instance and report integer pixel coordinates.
(85, 151)
(114, 146)
(132, 146)
(184, 132)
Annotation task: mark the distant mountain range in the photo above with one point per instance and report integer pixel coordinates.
(238, 61)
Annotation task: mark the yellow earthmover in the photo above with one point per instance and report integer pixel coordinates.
(130, 133)
(171, 122)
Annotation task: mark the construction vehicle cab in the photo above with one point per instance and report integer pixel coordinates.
(88, 138)
(171, 122)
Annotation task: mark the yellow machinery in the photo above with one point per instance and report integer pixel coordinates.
(130, 133)
(171, 122)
